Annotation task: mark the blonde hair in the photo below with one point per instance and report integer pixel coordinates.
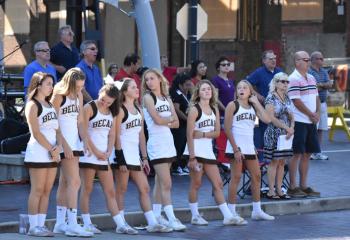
(195, 94)
(249, 86)
(277, 77)
(164, 85)
(67, 85)
(37, 79)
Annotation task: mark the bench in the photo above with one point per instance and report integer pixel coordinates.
(12, 168)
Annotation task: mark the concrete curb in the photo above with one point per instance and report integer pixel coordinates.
(104, 221)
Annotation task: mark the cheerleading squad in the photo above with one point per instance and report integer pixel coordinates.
(105, 137)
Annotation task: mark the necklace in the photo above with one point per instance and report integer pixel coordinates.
(282, 99)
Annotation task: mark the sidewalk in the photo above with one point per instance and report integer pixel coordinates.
(328, 177)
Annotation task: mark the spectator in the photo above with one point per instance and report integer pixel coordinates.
(226, 92)
(303, 92)
(260, 79)
(180, 94)
(64, 55)
(129, 70)
(93, 81)
(198, 71)
(170, 71)
(278, 106)
(40, 64)
(112, 72)
(323, 84)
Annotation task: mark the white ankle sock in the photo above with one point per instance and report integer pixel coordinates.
(41, 219)
(72, 216)
(33, 220)
(118, 219)
(157, 209)
(169, 211)
(121, 212)
(257, 206)
(225, 211)
(86, 219)
(194, 209)
(151, 219)
(232, 208)
(61, 214)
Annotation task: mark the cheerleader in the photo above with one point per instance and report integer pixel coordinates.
(68, 100)
(203, 124)
(100, 123)
(160, 116)
(42, 153)
(239, 123)
(130, 139)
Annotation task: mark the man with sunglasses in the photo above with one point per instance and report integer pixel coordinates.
(64, 55)
(40, 64)
(306, 109)
(260, 79)
(323, 84)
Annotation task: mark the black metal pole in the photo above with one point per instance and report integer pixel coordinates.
(192, 28)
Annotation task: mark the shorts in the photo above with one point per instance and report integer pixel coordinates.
(305, 138)
(323, 123)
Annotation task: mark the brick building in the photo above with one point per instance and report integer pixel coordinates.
(239, 29)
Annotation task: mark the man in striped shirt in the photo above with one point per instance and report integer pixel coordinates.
(306, 106)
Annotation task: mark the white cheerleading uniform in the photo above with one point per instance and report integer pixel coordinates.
(243, 132)
(203, 147)
(36, 155)
(98, 129)
(68, 120)
(160, 144)
(130, 139)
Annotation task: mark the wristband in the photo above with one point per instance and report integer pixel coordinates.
(119, 157)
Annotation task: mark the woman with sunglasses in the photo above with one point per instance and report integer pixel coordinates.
(278, 106)
(226, 93)
(42, 153)
(240, 116)
(130, 140)
(68, 102)
(160, 117)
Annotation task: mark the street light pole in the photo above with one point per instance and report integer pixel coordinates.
(192, 29)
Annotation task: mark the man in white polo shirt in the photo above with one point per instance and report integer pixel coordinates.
(306, 106)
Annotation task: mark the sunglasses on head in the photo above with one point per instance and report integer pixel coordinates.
(283, 81)
(304, 59)
(225, 64)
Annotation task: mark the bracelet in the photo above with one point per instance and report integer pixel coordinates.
(144, 158)
(192, 159)
(237, 151)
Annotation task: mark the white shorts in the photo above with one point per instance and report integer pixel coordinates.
(323, 123)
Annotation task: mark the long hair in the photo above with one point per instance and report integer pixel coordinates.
(195, 94)
(164, 86)
(124, 87)
(249, 86)
(194, 66)
(112, 91)
(37, 79)
(67, 85)
(277, 77)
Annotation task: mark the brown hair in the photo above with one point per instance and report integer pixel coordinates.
(37, 79)
(112, 92)
(195, 94)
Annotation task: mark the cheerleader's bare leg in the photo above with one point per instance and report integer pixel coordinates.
(122, 179)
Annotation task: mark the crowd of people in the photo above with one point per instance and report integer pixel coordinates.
(137, 119)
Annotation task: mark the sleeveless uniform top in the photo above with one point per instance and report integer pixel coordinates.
(98, 129)
(243, 130)
(68, 120)
(203, 147)
(36, 155)
(160, 143)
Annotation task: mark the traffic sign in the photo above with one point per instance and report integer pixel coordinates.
(182, 21)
